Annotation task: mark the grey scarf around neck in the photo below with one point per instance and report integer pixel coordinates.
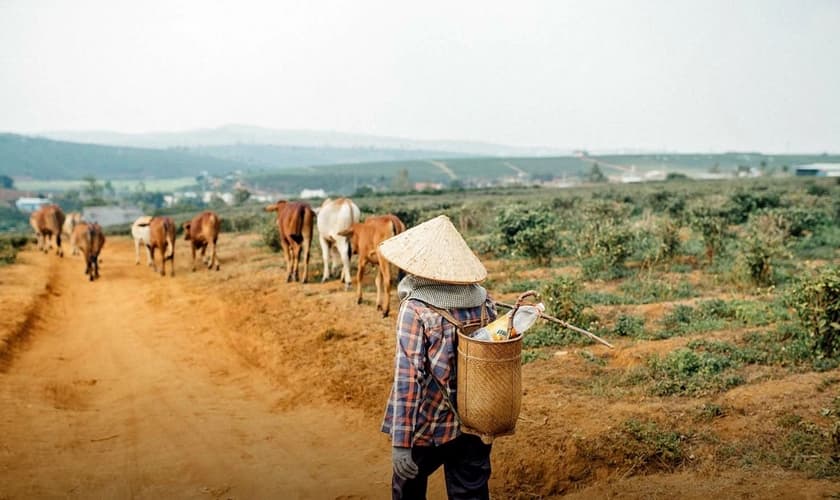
(442, 295)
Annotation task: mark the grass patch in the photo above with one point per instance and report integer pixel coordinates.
(331, 334)
(520, 286)
(547, 335)
(716, 314)
(603, 298)
(591, 358)
(694, 373)
(806, 447)
(648, 290)
(639, 446)
(529, 356)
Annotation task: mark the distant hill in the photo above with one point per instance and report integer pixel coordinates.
(45, 159)
(36, 158)
(246, 134)
(268, 156)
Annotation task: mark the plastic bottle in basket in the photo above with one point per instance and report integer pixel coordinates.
(496, 331)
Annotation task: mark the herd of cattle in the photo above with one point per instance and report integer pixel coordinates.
(340, 233)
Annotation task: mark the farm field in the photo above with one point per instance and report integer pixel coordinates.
(346, 178)
(235, 384)
(164, 185)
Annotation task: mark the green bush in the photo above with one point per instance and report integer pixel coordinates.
(817, 302)
(242, 222)
(743, 203)
(270, 234)
(764, 241)
(712, 225)
(629, 326)
(657, 242)
(603, 249)
(9, 246)
(798, 221)
(564, 299)
(529, 232)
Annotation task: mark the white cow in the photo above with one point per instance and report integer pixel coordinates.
(70, 222)
(140, 233)
(335, 216)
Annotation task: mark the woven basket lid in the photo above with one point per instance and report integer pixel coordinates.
(436, 251)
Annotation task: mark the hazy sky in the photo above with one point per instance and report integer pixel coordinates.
(674, 75)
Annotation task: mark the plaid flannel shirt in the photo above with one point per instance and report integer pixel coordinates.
(417, 412)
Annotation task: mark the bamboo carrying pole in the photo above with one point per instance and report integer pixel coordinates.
(565, 324)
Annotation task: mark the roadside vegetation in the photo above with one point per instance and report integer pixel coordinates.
(712, 292)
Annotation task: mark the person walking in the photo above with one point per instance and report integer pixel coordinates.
(441, 288)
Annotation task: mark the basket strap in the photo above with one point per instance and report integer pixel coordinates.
(459, 326)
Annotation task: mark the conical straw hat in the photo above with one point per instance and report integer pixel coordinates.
(436, 251)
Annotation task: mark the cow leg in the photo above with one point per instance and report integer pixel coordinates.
(172, 262)
(287, 256)
(385, 273)
(343, 247)
(149, 260)
(163, 261)
(214, 259)
(192, 248)
(327, 256)
(295, 258)
(136, 252)
(59, 251)
(305, 274)
(151, 251)
(379, 292)
(360, 275)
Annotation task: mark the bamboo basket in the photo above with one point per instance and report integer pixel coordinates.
(489, 386)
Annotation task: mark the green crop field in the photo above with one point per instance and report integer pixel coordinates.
(346, 178)
(163, 185)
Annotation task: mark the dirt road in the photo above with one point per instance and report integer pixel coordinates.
(235, 384)
(124, 388)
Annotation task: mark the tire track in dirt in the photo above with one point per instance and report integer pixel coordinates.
(126, 390)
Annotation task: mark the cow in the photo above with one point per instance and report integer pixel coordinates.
(203, 231)
(90, 240)
(294, 223)
(140, 233)
(335, 216)
(48, 222)
(162, 236)
(73, 218)
(364, 240)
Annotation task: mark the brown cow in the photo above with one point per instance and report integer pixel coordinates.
(47, 222)
(162, 236)
(364, 239)
(294, 222)
(202, 231)
(90, 240)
